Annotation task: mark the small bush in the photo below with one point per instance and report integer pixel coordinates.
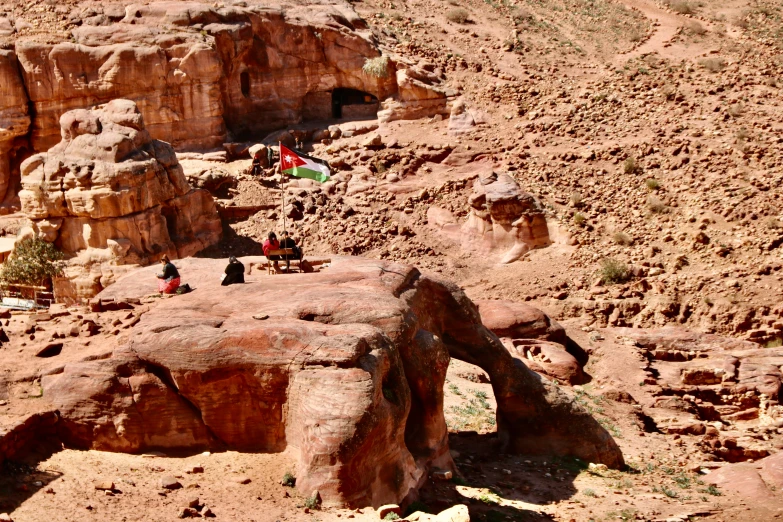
(289, 480)
(576, 199)
(621, 238)
(589, 493)
(376, 67)
(681, 6)
(522, 16)
(458, 16)
(736, 110)
(652, 184)
(713, 64)
(630, 166)
(391, 516)
(695, 28)
(774, 223)
(312, 502)
(613, 271)
(34, 262)
(579, 219)
(656, 205)
(712, 490)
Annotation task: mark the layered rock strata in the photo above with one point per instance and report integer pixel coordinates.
(345, 368)
(109, 193)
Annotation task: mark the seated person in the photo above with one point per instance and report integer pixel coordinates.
(168, 281)
(290, 242)
(271, 243)
(235, 272)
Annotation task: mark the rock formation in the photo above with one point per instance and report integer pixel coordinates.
(346, 367)
(109, 193)
(503, 217)
(14, 114)
(713, 387)
(532, 335)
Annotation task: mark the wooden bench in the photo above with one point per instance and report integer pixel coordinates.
(282, 252)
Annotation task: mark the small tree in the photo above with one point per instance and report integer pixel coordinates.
(34, 262)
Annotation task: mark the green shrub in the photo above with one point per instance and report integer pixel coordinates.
(376, 67)
(391, 516)
(34, 262)
(313, 502)
(652, 184)
(613, 271)
(458, 16)
(579, 219)
(589, 493)
(289, 480)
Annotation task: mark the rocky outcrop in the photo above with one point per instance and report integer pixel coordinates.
(109, 193)
(203, 75)
(420, 93)
(714, 387)
(504, 218)
(345, 368)
(530, 334)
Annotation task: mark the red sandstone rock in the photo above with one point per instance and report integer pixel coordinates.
(348, 371)
(109, 188)
(503, 218)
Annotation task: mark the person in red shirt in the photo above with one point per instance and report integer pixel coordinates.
(271, 243)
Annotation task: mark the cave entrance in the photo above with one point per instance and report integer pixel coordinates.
(244, 83)
(353, 104)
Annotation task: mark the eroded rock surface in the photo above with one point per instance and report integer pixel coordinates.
(535, 337)
(504, 218)
(725, 391)
(346, 367)
(109, 193)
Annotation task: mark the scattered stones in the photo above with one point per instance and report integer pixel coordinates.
(169, 482)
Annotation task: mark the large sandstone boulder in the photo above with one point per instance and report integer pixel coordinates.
(504, 218)
(344, 367)
(539, 340)
(108, 186)
(421, 93)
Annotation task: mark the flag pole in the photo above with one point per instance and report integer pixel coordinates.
(282, 179)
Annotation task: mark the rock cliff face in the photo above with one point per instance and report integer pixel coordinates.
(110, 189)
(14, 114)
(202, 75)
(345, 367)
(504, 218)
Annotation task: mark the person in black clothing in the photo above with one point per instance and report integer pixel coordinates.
(235, 272)
(288, 242)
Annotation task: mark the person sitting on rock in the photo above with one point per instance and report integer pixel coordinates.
(289, 242)
(235, 272)
(271, 243)
(168, 281)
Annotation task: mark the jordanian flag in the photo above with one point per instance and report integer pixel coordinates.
(303, 166)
